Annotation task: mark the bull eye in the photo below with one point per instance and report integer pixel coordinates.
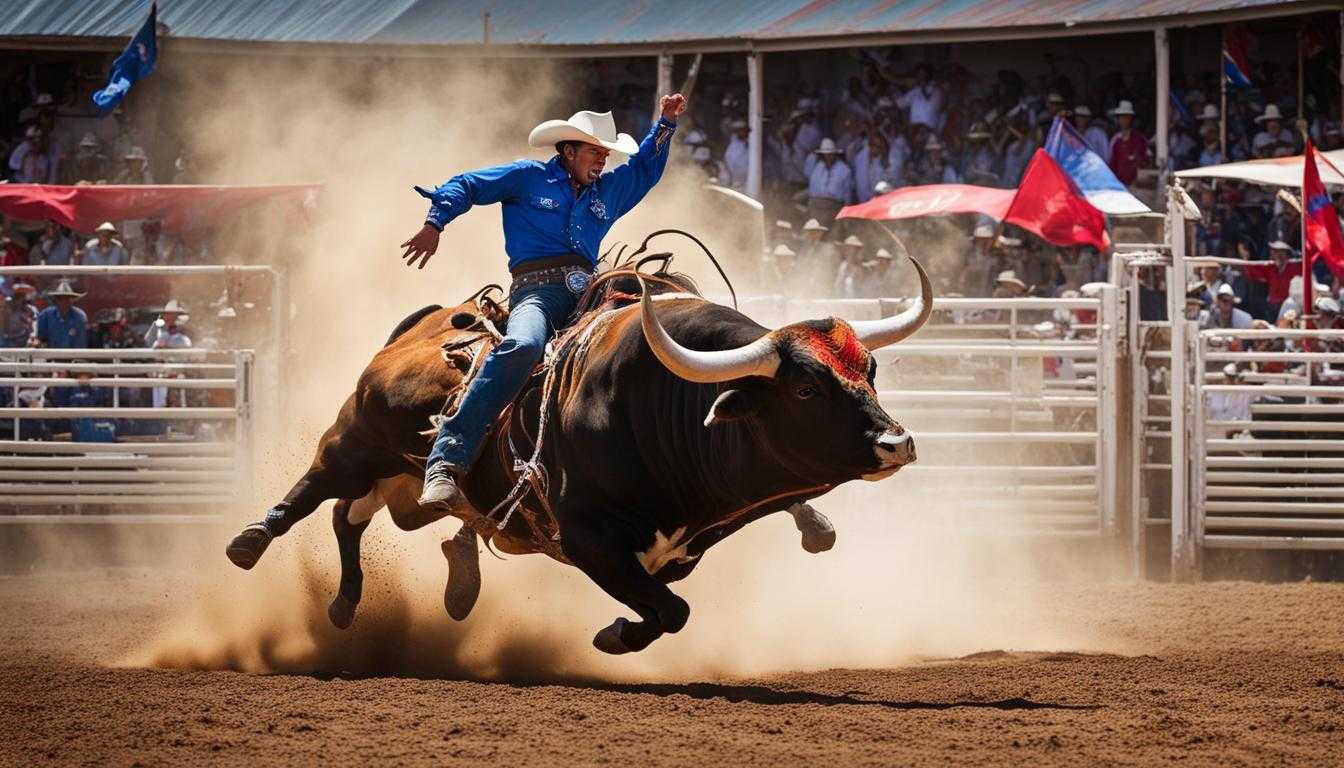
(806, 392)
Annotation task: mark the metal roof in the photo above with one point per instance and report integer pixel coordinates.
(540, 26)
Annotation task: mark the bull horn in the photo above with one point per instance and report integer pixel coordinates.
(759, 358)
(875, 334)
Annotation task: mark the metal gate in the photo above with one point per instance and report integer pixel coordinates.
(190, 446)
(1013, 400)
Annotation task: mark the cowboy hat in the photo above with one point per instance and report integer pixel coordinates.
(884, 254)
(1226, 290)
(136, 153)
(1010, 277)
(1009, 242)
(1082, 111)
(1054, 98)
(783, 250)
(1125, 107)
(978, 131)
(1210, 113)
(784, 224)
(1271, 113)
(827, 148)
(106, 226)
(933, 144)
(63, 288)
(812, 225)
(88, 141)
(1279, 245)
(1232, 372)
(22, 286)
(588, 127)
(882, 187)
(853, 240)
(983, 232)
(173, 306)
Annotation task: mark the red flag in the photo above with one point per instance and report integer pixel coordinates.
(180, 206)
(1049, 205)
(1321, 237)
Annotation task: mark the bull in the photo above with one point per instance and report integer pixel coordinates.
(661, 427)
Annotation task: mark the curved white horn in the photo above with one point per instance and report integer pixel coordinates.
(875, 334)
(758, 358)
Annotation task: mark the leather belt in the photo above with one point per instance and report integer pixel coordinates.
(576, 279)
(569, 260)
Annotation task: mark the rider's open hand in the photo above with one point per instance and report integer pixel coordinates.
(421, 246)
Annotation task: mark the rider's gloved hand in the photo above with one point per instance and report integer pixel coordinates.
(421, 246)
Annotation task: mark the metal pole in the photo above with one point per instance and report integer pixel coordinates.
(664, 81)
(1222, 81)
(756, 142)
(1200, 450)
(1163, 50)
(1181, 551)
(1107, 455)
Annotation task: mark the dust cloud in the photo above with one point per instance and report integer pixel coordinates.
(902, 583)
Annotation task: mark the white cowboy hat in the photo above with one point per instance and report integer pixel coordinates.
(106, 226)
(1279, 245)
(1125, 107)
(88, 141)
(136, 153)
(1210, 113)
(174, 306)
(1271, 113)
(1009, 242)
(983, 232)
(783, 250)
(783, 224)
(883, 253)
(812, 225)
(1055, 98)
(1231, 371)
(881, 188)
(63, 288)
(853, 240)
(588, 127)
(827, 148)
(1010, 277)
(933, 144)
(978, 131)
(1082, 110)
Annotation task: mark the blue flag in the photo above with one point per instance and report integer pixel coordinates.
(134, 64)
(1094, 178)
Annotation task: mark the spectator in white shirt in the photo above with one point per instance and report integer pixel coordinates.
(924, 101)
(809, 136)
(35, 160)
(737, 156)
(830, 184)
(1094, 136)
(873, 164)
(104, 250)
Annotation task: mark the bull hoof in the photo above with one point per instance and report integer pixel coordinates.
(818, 533)
(464, 574)
(341, 612)
(247, 547)
(608, 639)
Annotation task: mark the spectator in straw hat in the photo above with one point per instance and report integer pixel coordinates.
(1129, 148)
(111, 330)
(1094, 136)
(1008, 286)
(85, 164)
(62, 325)
(849, 275)
(1273, 139)
(136, 168)
(167, 332)
(817, 259)
(979, 164)
(933, 167)
(104, 250)
(879, 280)
(830, 184)
(19, 316)
(978, 263)
(54, 248)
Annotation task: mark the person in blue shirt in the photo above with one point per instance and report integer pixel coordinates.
(62, 325)
(555, 216)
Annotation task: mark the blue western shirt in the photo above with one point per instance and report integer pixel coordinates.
(542, 216)
(69, 331)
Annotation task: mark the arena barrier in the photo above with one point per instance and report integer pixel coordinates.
(1267, 447)
(194, 449)
(1011, 401)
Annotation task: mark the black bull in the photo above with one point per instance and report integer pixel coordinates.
(672, 423)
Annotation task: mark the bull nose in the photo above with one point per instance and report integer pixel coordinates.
(892, 448)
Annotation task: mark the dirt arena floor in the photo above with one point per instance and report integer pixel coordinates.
(1216, 674)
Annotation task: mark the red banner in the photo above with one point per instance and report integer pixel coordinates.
(1048, 205)
(1321, 237)
(180, 207)
(932, 200)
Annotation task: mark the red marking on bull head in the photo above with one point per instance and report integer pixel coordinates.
(838, 349)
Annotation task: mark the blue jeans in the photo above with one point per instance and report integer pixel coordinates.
(535, 313)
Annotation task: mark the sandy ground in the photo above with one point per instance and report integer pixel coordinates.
(1225, 674)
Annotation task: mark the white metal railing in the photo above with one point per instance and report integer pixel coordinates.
(1261, 465)
(209, 463)
(1039, 450)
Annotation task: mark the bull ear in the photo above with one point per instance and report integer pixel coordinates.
(731, 405)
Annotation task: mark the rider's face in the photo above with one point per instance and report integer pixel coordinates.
(586, 162)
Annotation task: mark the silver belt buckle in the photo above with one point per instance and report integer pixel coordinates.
(577, 281)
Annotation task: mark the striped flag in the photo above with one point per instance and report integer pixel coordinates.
(1236, 46)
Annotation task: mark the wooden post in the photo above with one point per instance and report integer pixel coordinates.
(1162, 48)
(756, 140)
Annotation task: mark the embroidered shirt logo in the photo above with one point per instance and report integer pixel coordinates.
(598, 208)
(546, 202)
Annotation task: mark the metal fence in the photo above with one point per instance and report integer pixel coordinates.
(194, 449)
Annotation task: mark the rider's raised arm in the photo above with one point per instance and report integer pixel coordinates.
(457, 195)
(627, 185)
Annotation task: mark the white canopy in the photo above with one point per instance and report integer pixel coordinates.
(1274, 172)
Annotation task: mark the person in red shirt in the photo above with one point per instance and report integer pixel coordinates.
(12, 254)
(1277, 274)
(1129, 148)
